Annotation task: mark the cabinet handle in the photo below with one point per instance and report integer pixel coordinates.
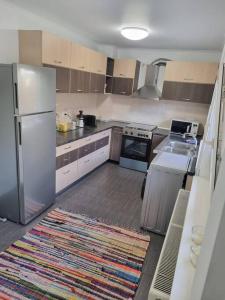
(80, 91)
(122, 75)
(187, 99)
(82, 67)
(67, 172)
(65, 159)
(66, 148)
(123, 93)
(59, 61)
(189, 79)
(86, 161)
(96, 91)
(58, 90)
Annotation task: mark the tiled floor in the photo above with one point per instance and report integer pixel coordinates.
(112, 194)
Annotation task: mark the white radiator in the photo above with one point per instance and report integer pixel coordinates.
(165, 270)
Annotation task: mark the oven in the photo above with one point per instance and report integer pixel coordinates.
(135, 152)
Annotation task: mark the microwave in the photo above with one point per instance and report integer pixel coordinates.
(181, 127)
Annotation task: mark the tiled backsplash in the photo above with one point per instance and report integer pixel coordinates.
(113, 107)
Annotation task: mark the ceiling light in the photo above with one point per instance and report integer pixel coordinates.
(134, 33)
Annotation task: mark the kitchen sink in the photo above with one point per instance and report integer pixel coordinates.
(180, 148)
(181, 145)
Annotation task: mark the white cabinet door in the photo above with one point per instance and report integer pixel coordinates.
(66, 176)
(86, 164)
(101, 155)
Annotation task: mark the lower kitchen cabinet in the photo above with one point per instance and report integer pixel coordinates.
(122, 86)
(66, 176)
(116, 142)
(156, 140)
(86, 164)
(78, 158)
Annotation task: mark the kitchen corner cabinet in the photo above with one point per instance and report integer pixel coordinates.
(124, 68)
(79, 81)
(116, 142)
(97, 83)
(122, 86)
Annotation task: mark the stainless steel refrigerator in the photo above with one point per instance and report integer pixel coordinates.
(27, 141)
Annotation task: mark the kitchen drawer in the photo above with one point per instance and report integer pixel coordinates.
(87, 140)
(67, 148)
(102, 142)
(86, 164)
(66, 158)
(87, 149)
(101, 155)
(102, 134)
(66, 176)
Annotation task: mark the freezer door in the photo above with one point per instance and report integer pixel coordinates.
(36, 138)
(34, 89)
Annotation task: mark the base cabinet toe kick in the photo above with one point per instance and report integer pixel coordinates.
(78, 158)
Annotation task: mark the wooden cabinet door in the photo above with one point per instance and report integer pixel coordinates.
(122, 86)
(49, 48)
(62, 80)
(98, 62)
(64, 52)
(124, 68)
(188, 92)
(116, 142)
(156, 140)
(97, 83)
(79, 81)
(55, 50)
(80, 57)
(192, 72)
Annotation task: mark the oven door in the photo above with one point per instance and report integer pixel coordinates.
(135, 148)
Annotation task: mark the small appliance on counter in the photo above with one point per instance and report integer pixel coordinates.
(180, 127)
(90, 120)
(80, 119)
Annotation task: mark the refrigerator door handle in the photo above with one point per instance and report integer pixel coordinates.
(19, 134)
(16, 95)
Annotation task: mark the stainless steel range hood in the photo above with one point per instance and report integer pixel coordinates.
(151, 79)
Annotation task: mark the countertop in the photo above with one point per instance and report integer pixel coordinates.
(73, 135)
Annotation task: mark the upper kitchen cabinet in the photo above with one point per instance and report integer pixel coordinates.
(98, 62)
(37, 47)
(122, 86)
(79, 81)
(97, 83)
(193, 72)
(80, 58)
(124, 68)
(189, 81)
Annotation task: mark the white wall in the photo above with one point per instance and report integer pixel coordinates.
(14, 17)
(149, 55)
(8, 46)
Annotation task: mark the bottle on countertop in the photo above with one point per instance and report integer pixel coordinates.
(80, 118)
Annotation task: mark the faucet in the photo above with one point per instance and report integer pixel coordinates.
(193, 136)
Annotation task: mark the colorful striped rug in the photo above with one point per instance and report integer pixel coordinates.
(70, 256)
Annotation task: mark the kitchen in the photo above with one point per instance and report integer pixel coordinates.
(138, 143)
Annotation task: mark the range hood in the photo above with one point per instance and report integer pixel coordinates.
(151, 77)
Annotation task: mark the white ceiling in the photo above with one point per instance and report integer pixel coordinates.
(175, 24)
